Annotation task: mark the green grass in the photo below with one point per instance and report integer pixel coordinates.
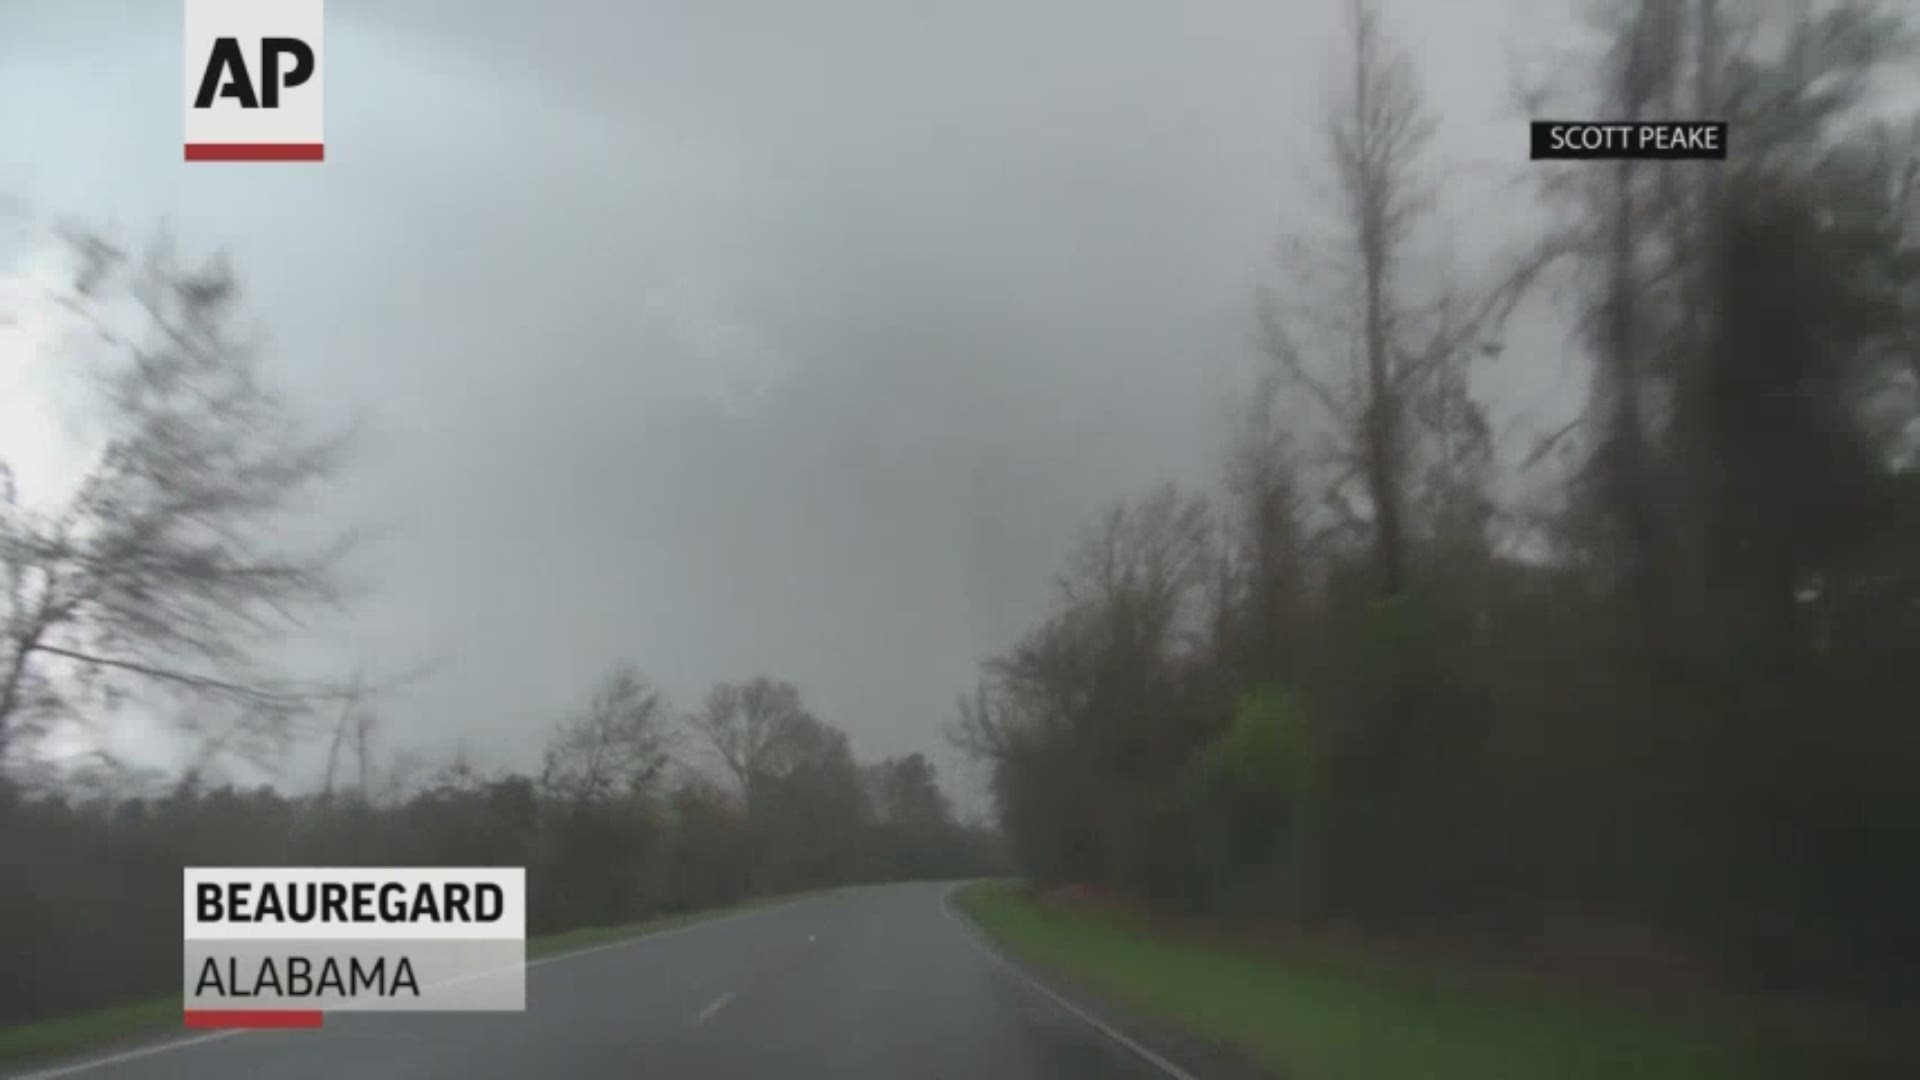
(68, 1034)
(1323, 1019)
(91, 1031)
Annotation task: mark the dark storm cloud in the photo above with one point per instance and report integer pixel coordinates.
(733, 337)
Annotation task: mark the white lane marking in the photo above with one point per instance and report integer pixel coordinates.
(130, 1055)
(194, 1040)
(719, 1003)
(978, 941)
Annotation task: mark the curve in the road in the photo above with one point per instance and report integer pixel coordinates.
(867, 983)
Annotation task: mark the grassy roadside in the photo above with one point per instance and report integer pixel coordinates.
(1323, 1020)
(81, 1032)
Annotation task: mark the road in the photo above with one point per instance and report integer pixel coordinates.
(870, 982)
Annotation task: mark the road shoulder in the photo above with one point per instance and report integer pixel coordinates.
(1177, 1052)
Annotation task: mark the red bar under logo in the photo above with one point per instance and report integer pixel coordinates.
(256, 151)
(253, 1019)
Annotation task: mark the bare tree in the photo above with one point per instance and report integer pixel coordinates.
(1137, 574)
(167, 569)
(355, 725)
(1375, 133)
(618, 746)
(987, 723)
(753, 727)
(1383, 363)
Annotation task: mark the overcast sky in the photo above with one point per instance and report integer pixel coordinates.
(745, 336)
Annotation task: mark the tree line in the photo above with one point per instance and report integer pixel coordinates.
(1658, 696)
(623, 821)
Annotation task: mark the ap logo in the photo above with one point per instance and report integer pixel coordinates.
(254, 80)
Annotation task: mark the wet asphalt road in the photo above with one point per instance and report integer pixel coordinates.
(858, 984)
